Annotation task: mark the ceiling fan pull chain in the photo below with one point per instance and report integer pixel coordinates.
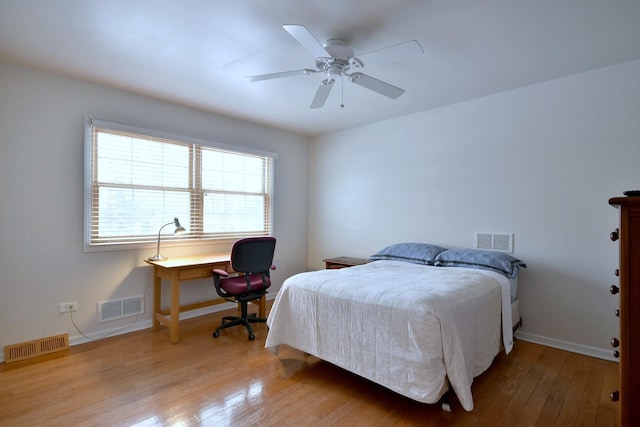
(342, 81)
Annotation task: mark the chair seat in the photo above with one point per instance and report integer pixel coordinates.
(238, 285)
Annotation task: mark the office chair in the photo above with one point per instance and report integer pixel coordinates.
(251, 258)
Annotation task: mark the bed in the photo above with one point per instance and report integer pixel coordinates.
(417, 324)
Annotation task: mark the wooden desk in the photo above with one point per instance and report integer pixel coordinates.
(179, 269)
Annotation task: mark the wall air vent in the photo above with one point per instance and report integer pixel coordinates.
(502, 242)
(119, 308)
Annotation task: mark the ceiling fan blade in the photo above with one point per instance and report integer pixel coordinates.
(307, 40)
(322, 93)
(260, 77)
(391, 53)
(376, 85)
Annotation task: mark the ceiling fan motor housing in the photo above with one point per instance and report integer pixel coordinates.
(339, 49)
(342, 59)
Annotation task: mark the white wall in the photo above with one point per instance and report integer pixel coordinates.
(42, 262)
(541, 161)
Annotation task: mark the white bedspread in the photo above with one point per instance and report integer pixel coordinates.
(408, 327)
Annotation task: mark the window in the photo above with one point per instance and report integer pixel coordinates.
(138, 180)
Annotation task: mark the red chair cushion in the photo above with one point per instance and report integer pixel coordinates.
(238, 285)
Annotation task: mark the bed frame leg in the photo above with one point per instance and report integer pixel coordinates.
(445, 401)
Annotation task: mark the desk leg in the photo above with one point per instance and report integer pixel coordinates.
(157, 298)
(174, 334)
(262, 306)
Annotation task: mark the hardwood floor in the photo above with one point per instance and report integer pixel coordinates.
(140, 379)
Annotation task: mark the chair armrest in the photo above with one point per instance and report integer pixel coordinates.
(219, 272)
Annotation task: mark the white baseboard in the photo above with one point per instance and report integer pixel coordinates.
(600, 353)
(83, 338)
(146, 324)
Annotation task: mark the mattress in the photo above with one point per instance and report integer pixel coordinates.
(414, 329)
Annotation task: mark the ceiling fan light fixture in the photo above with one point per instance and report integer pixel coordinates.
(334, 71)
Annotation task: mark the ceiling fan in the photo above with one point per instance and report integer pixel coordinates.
(336, 59)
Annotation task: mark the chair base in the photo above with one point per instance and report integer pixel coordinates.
(229, 321)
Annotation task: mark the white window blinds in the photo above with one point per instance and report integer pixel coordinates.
(138, 180)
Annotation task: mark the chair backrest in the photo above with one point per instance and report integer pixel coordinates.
(253, 254)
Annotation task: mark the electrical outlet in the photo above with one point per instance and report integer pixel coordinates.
(67, 307)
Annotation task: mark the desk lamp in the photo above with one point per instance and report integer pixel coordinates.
(179, 230)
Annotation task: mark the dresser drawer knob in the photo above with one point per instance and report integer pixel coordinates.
(617, 272)
(617, 313)
(616, 354)
(614, 396)
(614, 235)
(615, 342)
(614, 289)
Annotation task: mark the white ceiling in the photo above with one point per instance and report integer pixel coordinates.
(197, 52)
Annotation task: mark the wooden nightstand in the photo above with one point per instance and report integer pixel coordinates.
(343, 261)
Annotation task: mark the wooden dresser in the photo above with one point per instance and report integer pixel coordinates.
(627, 346)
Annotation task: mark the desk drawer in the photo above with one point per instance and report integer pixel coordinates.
(200, 272)
(194, 273)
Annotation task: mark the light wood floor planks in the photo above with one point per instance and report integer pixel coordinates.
(140, 379)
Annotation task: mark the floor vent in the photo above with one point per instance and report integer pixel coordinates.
(119, 308)
(35, 348)
(502, 242)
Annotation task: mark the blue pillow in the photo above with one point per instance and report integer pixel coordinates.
(481, 259)
(417, 253)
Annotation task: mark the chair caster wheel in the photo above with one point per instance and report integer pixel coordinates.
(216, 334)
(251, 337)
